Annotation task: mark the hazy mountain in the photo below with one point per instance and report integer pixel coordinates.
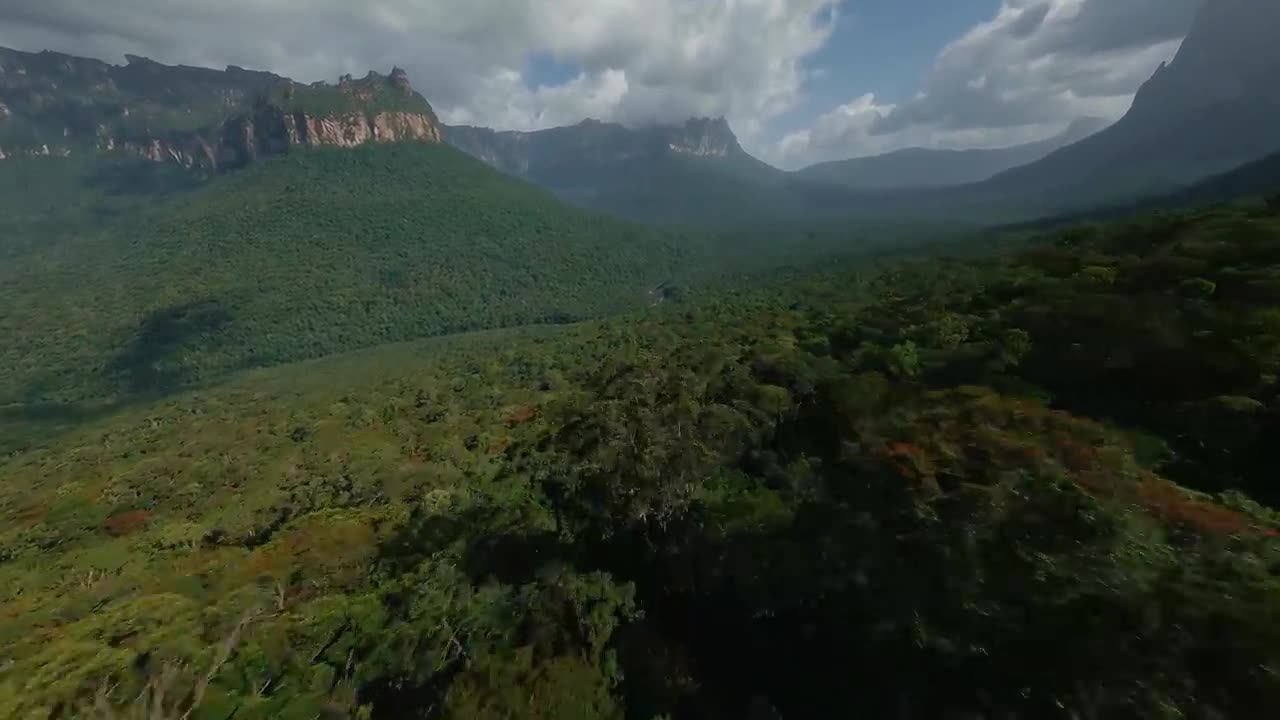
(1213, 108)
(696, 172)
(56, 104)
(1210, 110)
(561, 156)
(1258, 180)
(921, 167)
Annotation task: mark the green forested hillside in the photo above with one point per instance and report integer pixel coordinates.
(320, 252)
(941, 490)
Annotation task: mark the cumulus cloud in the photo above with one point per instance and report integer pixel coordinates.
(1021, 76)
(640, 61)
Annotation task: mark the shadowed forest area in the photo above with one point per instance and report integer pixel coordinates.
(889, 488)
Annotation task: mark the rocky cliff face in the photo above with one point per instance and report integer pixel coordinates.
(1230, 54)
(704, 137)
(270, 130)
(54, 104)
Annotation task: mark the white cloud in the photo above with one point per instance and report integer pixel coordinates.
(1024, 75)
(641, 61)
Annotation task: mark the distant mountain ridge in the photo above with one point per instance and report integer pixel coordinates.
(57, 104)
(519, 152)
(566, 157)
(924, 167)
(687, 172)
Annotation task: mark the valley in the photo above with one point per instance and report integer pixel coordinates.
(373, 520)
(314, 405)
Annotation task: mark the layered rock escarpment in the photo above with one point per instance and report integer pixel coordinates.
(54, 104)
(272, 130)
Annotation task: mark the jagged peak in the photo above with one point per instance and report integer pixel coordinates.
(1228, 52)
(708, 122)
(398, 78)
(704, 136)
(717, 125)
(138, 60)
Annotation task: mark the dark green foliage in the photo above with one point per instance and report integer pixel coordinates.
(1035, 485)
(321, 252)
(873, 494)
(302, 256)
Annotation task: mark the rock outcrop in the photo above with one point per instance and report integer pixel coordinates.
(270, 130)
(704, 137)
(55, 104)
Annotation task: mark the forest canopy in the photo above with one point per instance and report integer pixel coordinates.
(1032, 485)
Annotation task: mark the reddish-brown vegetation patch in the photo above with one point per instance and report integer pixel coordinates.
(522, 415)
(125, 523)
(1179, 507)
(32, 514)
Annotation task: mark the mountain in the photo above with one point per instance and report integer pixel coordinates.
(1258, 178)
(696, 172)
(557, 156)
(56, 104)
(921, 167)
(132, 266)
(320, 251)
(1248, 185)
(1212, 109)
(693, 174)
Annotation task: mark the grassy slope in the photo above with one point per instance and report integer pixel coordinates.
(303, 256)
(425, 524)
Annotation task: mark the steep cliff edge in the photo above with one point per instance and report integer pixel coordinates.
(56, 104)
(1211, 109)
(1230, 54)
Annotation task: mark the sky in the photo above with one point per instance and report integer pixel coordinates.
(801, 81)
